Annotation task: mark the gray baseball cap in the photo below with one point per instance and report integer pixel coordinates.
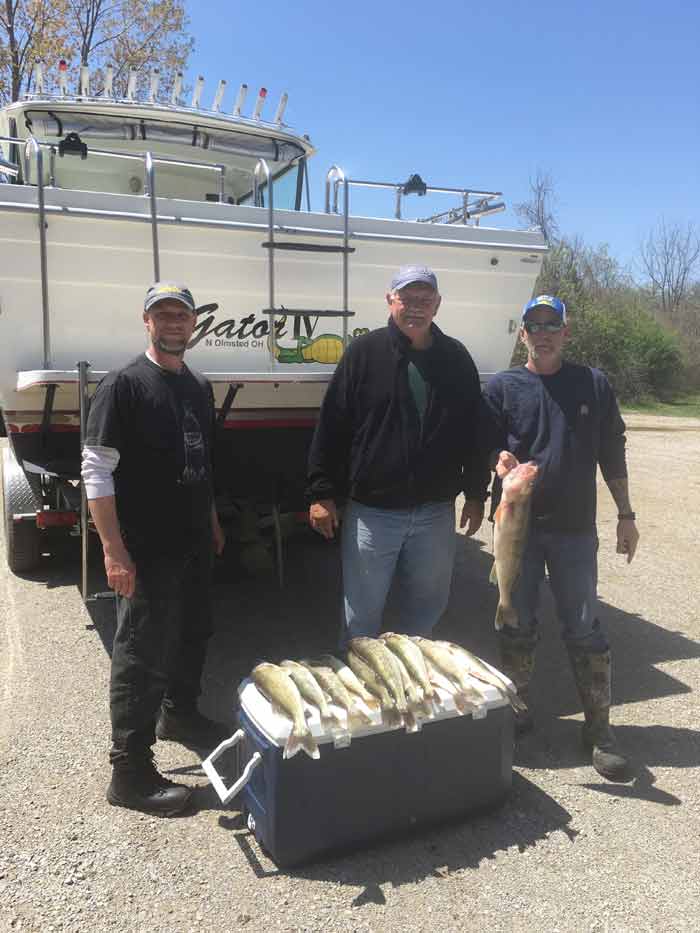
(409, 275)
(172, 291)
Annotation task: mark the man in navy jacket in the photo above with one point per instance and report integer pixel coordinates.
(565, 418)
(398, 439)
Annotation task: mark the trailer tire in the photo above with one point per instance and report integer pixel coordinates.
(22, 539)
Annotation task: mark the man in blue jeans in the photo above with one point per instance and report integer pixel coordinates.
(398, 438)
(565, 418)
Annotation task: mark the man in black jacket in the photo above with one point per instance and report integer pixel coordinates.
(398, 437)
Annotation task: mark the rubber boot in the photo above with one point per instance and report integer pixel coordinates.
(592, 672)
(518, 663)
(139, 786)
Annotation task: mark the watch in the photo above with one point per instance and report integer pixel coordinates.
(626, 516)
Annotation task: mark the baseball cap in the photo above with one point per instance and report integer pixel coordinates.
(408, 275)
(160, 291)
(547, 301)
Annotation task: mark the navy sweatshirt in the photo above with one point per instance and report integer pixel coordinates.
(568, 423)
(371, 442)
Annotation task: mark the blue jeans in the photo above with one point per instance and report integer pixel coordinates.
(417, 545)
(572, 564)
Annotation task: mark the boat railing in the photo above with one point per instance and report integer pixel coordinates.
(474, 203)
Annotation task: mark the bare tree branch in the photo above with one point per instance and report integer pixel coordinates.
(538, 211)
(669, 258)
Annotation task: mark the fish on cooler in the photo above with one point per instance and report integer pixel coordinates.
(278, 687)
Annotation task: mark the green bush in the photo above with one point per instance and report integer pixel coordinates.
(640, 358)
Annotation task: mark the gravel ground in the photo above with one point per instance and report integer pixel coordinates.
(567, 852)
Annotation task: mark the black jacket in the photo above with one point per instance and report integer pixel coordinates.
(368, 442)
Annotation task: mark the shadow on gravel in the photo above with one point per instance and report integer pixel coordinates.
(527, 817)
(256, 619)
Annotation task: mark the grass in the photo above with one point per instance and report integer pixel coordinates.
(686, 406)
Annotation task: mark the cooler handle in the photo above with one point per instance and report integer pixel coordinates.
(226, 794)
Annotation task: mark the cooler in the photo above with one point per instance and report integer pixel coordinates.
(374, 782)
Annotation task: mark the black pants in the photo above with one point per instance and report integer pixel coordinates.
(159, 648)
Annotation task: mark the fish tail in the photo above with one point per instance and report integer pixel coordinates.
(392, 717)
(516, 703)
(506, 615)
(410, 721)
(301, 742)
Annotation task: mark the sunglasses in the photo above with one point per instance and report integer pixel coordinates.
(548, 327)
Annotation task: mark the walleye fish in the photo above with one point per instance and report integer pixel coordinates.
(476, 667)
(349, 679)
(446, 662)
(279, 688)
(381, 660)
(412, 657)
(438, 679)
(510, 530)
(336, 690)
(417, 703)
(310, 690)
(375, 685)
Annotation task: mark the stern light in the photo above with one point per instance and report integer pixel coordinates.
(240, 100)
(281, 107)
(62, 78)
(84, 81)
(108, 90)
(177, 90)
(197, 93)
(131, 84)
(260, 103)
(219, 96)
(155, 82)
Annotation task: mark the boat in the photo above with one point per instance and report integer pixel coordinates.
(101, 195)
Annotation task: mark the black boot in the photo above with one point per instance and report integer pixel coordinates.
(190, 727)
(592, 672)
(139, 786)
(518, 663)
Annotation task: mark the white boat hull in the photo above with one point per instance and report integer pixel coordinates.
(100, 262)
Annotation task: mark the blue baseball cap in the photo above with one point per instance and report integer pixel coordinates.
(547, 301)
(410, 275)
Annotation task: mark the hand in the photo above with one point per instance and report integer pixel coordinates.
(473, 514)
(323, 517)
(121, 571)
(218, 537)
(627, 538)
(506, 463)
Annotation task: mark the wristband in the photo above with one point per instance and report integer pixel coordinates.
(626, 516)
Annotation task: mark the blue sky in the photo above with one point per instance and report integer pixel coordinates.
(603, 96)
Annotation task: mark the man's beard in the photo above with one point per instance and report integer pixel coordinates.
(174, 349)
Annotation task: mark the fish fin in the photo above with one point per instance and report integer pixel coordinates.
(506, 615)
(296, 743)
(493, 576)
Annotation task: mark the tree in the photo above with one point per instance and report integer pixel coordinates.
(30, 30)
(131, 34)
(669, 258)
(538, 211)
(126, 33)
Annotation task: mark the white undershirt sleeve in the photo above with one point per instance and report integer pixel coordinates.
(98, 465)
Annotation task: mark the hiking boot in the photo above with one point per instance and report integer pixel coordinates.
(517, 663)
(190, 727)
(592, 672)
(141, 787)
